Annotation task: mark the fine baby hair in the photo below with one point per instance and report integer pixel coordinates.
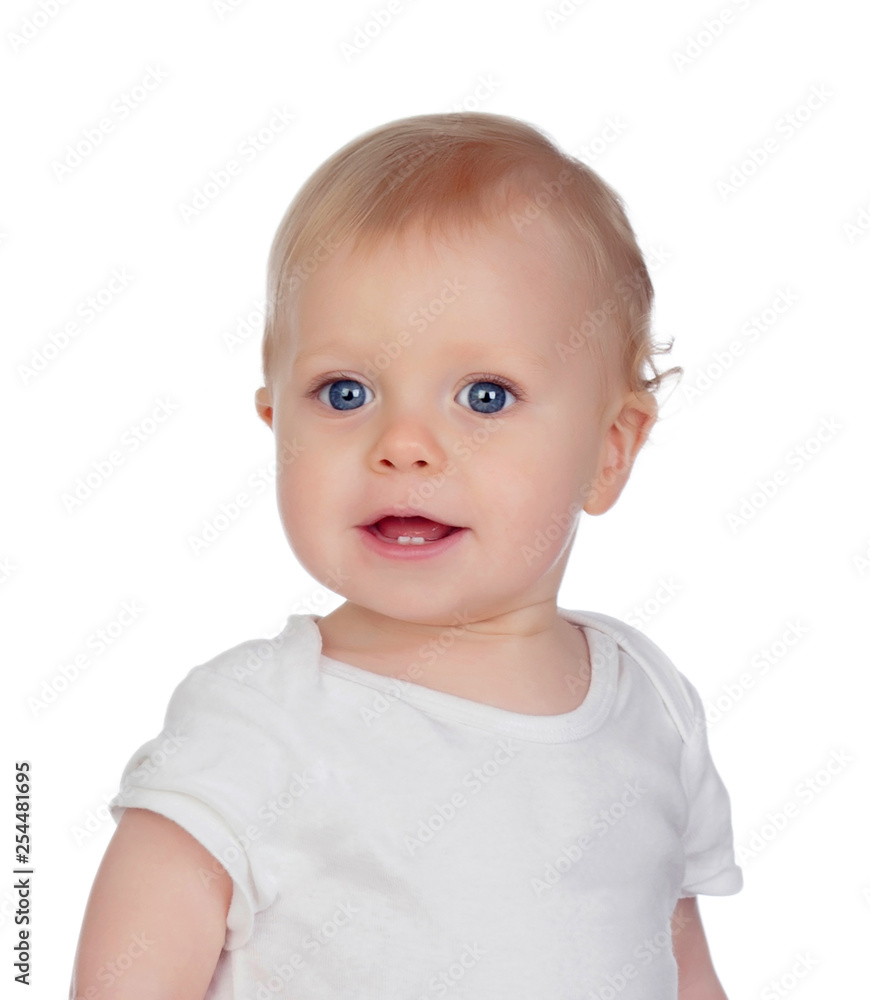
(454, 171)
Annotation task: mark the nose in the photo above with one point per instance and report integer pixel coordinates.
(407, 445)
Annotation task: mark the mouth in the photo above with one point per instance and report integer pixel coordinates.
(417, 530)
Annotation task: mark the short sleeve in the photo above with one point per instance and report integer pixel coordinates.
(212, 769)
(708, 839)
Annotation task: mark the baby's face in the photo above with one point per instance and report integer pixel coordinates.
(429, 380)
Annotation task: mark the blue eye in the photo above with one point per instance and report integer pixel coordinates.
(344, 393)
(487, 395)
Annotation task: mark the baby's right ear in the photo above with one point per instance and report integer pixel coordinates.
(263, 400)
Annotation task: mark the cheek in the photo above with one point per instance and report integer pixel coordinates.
(518, 498)
(306, 492)
(308, 509)
(538, 485)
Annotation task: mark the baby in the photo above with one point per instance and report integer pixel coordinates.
(449, 786)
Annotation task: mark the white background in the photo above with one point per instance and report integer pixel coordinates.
(607, 83)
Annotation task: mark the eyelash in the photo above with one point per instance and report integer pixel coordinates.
(318, 383)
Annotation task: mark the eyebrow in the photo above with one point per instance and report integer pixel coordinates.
(338, 352)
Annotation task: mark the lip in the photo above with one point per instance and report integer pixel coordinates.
(405, 512)
(393, 550)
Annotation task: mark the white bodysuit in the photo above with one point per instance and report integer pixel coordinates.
(388, 841)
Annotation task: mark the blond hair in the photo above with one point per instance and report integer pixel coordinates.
(455, 171)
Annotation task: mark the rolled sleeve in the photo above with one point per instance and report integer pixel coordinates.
(708, 839)
(211, 770)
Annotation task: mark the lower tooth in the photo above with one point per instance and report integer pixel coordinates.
(410, 540)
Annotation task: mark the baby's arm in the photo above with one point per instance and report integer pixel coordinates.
(153, 929)
(697, 978)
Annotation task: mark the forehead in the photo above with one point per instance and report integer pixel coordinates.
(484, 286)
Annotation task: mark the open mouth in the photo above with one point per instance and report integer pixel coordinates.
(410, 530)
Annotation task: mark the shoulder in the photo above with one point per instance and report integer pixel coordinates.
(678, 694)
(274, 667)
(228, 723)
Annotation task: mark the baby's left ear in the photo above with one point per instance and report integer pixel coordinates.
(622, 441)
